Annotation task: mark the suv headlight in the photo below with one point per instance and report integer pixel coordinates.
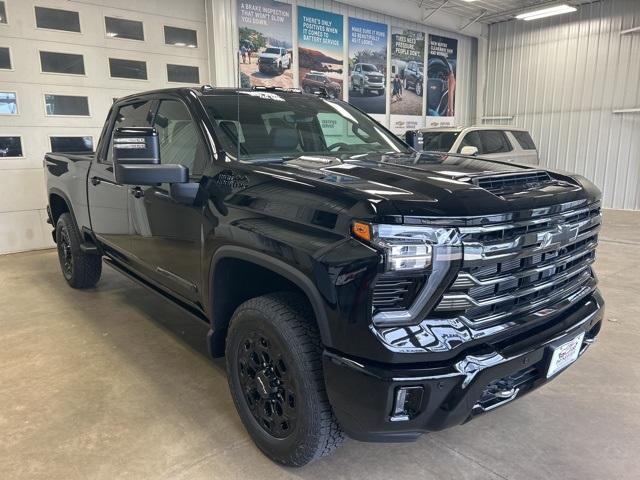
(431, 253)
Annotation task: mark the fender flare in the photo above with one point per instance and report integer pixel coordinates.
(61, 194)
(283, 269)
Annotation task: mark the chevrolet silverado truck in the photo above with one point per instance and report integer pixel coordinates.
(356, 287)
(274, 60)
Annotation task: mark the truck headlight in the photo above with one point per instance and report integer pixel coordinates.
(430, 254)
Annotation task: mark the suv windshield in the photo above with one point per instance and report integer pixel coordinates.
(272, 50)
(438, 141)
(369, 68)
(270, 125)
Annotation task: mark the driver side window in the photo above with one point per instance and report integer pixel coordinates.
(180, 141)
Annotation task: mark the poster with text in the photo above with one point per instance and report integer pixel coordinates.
(368, 66)
(441, 80)
(406, 79)
(320, 44)
(266, 55)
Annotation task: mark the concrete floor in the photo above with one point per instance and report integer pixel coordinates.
(112, 383)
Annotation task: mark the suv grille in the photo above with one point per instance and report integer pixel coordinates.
(512, 180)
(523, 267)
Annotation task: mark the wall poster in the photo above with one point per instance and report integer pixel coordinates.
(320, 51)
(441, 80)
(266, 46)
(368, 67)
(406, 79)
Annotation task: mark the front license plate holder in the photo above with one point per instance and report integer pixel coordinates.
(564, 355)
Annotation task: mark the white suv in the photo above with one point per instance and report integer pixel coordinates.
(506, 143)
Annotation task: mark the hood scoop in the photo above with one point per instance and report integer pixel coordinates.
(505, 182)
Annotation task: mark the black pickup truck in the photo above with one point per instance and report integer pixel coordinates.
(354, 285)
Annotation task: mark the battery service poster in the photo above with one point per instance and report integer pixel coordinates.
(441, 80)
(406, 79)
(368, 67)
(320, 51)
(266, 46)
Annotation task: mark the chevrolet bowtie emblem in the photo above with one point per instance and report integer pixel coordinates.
(562, 234)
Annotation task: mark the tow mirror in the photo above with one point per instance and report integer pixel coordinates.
(469, 150)
(136, 158)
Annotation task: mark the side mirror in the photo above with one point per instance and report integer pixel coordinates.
(136, 158)
(469, 150)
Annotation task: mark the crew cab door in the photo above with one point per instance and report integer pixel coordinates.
(492, 144)
(108, 200)
(166, 233)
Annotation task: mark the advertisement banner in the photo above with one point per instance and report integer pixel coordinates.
(266, 43)
(406, 79)
(320, 44)
(368, 66)
(441, 80)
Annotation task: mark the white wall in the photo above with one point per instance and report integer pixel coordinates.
(562, 78)
(22, 194)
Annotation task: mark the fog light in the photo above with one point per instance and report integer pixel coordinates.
(407, 403)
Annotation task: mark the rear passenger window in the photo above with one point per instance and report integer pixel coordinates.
(494, 141)
(134, 115)
(471, 139)
(524, 139)
(180, 141)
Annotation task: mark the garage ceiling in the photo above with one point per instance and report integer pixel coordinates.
(490, 11)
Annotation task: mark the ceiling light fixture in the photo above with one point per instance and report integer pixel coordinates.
(546, 12)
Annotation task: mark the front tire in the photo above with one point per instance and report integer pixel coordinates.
(274, 368)
(80, 269)
(419, 89)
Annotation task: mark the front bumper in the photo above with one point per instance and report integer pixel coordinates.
(363, 395)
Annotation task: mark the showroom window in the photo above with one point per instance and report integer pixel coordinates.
(133, 69)
(5, 58)
(183, 74)
(55, 19)
(121, 28)
(8, 103)
(10, 147)
(3, 13)
(71, 105)
(68, 63)
(71, 144)
(180, 37)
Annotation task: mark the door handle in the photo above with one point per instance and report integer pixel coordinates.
(95, 181)
(137, 192)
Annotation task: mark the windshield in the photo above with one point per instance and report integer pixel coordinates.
(272, 50)
(369, 68)
(272, 126)
(438, 141)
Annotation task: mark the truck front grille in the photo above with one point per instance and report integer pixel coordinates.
(522, 267)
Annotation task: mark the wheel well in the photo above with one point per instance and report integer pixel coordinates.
(236, 281)
(58, 206)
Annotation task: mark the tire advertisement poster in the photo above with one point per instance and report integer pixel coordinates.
(441, 80)
(406, 79)
(320, 51)
(368, 67)
(266, 46)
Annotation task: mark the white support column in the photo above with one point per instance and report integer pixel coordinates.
(481, 78)
(222, 42)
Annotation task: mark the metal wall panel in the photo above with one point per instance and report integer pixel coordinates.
(562, 78)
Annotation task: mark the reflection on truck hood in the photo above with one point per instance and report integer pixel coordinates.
(432, 185)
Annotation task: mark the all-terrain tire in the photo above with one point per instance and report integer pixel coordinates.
(80, 269)
(282, 326)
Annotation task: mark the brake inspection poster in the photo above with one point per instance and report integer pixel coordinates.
(320, 51)
(368, 67)
(406, 79)
(441, 80)
(266, 46)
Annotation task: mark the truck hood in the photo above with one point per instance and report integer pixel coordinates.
(419, 184)
(269, 55)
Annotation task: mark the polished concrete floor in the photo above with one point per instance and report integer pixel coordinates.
(112, 383)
